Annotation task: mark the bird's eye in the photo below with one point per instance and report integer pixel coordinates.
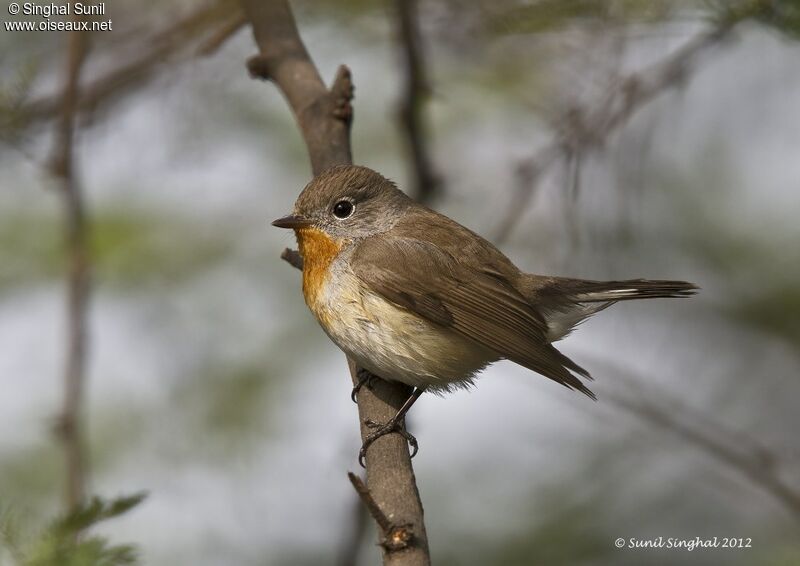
(343, 209)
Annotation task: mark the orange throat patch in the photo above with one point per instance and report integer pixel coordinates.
(318, 251)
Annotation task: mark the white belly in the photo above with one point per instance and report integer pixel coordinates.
(393, 343)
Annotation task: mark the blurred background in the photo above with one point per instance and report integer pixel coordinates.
(601, 139)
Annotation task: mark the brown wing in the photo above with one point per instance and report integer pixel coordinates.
(418, 276)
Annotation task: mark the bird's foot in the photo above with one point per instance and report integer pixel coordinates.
(394, 425)
(365, 377)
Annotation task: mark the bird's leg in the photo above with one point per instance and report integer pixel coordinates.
(395, 424)
(365, 377)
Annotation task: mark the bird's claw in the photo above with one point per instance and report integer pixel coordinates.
(382, 430)
(365, 377)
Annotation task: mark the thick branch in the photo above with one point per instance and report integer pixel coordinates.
(391, 484)
(284, 60)
(70, 426)
(324, 118)
(415, 91)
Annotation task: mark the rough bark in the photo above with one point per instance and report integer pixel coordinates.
(323, 116)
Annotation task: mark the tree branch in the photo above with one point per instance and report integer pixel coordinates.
(425, 183)
(159, 48)
(415, 92)
(746, 456)
(395, 536)
(70, 426)
(353, 539)
(293, 258)
(578, 130)
(223, 34)
(284, 60)
(324, 118)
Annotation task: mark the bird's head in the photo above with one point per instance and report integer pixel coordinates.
(347, 203)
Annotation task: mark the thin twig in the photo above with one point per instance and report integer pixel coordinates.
(161, 47)
(579, 130)
(366, 497)
(70, 426)
(415, 92)
(222, 35)
(395, 537)
(293, 258)
(353, 539)
(529, 174)
(324, 117)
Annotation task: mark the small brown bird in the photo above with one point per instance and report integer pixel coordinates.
(412, 296)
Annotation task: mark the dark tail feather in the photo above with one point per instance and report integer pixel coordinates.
(582, 291)
(566, 302)
(608, 292)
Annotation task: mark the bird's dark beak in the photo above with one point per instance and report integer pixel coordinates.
(292, 221)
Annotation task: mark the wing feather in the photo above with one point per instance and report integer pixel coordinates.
(484, 307)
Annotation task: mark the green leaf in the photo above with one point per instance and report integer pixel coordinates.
(66, 543)
(96, 510)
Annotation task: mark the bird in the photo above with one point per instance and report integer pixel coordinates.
(413, 296)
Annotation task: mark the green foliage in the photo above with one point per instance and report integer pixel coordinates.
(570, 532)
(95, 511)
(775, 309)
(132, 248)
(229, 400)
(231, 403)
(31, 471)
(779, 555)
(566, 537)
(66, 542)
(361, 13)
(757, 260)
(781, 15)
(552, 15)
(27, 250)
(13, 94)
(129, 248)
(784, 16)
(30, 475)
